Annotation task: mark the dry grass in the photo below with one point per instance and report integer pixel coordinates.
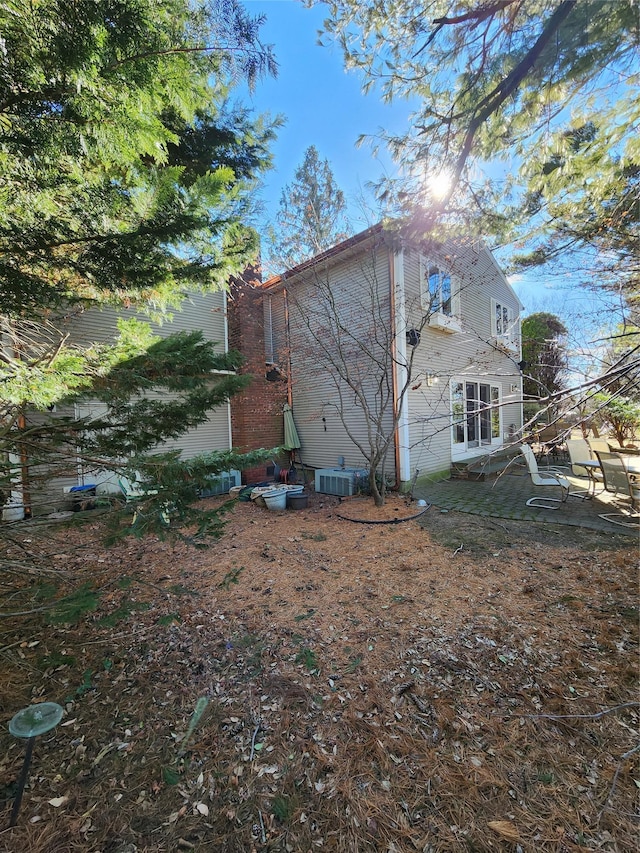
(370, 688)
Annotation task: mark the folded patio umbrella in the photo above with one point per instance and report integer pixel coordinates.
(291, 441)
(291, 438)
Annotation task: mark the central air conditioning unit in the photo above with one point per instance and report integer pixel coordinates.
(220, 484)
(343, 482)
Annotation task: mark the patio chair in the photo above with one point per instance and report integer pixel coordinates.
(624, 486)
(549, 477)
(580, 451)
(133, 490)
(550, 442)
(598, 445)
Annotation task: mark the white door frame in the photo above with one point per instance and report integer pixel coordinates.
(476, 416)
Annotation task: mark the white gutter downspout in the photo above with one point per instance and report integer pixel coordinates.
(398, 319)
(289, 359)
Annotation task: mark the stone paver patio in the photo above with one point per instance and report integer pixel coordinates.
(506, 497)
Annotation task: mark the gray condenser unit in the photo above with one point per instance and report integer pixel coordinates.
(221, 484)
(341, 481)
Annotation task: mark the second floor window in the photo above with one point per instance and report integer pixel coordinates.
(504, 322)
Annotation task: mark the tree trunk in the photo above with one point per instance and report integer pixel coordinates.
(377, 493)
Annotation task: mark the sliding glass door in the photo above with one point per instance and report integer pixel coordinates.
(475, 411)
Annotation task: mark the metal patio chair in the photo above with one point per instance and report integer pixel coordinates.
(598, 445)
(626, 488)
(580, 451)
(549, 477)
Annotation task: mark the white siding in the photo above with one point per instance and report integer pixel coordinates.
(198, 312)
(204, 312)
(470, 352)
(47, 491)
(212, 435)
(360, 286)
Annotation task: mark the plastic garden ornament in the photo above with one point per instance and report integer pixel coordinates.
(29, 723)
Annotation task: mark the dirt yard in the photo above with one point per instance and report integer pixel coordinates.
(311, 683)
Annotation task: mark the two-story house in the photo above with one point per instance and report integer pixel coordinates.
(399, 346)
(389, 346)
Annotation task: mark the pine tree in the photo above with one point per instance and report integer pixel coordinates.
(124, 174)
(545, 355)
(542, 91)
(125, 180)
(490, 79)
(311, 215)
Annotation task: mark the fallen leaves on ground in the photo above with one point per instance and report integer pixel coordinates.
(307, 683)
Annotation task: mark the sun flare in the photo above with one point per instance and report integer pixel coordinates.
(439, 184)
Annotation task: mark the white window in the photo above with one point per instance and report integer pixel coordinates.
(439, 296)
(504, 325)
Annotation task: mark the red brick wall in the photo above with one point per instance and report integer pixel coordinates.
(256, 412)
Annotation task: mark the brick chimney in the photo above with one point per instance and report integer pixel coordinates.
(256, 411)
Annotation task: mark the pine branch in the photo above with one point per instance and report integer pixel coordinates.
(476, 15)
(137, 57)
(492, 102)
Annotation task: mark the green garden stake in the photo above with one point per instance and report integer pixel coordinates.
(29, 723)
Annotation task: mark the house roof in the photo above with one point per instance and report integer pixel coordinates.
(356, 242)
(327, 255)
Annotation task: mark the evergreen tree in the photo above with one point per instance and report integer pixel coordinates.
(124, 175)
(311, 215)
(582, 196)
(490, 79)
(125, 180)
(619, 364)
(544, 353)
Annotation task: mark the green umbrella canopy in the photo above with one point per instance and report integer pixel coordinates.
(291, 438)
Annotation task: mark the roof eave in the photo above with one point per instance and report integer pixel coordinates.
(324, 257)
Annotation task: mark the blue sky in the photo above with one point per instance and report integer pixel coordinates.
(322, 105)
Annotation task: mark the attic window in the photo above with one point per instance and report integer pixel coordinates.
(439, 285)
